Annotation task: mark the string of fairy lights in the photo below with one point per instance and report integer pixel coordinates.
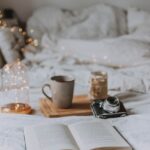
(17, 29)
(14, 75)
(3, 23)
(15, 78)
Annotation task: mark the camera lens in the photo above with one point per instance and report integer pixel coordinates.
(113, 101)
(111, 104)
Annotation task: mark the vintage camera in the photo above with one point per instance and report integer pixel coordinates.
(109, 108)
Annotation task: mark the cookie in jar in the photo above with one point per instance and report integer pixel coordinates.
(98, 88)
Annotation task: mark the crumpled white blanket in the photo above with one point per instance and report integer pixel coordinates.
(70, 57)
(136, 18)
(95, 22)
(117, 52)
(117, 80)
(79, 58)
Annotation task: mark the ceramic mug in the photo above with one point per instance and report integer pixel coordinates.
(62, 88)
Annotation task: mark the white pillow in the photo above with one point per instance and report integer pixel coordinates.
(95, 22)
(47, 20)
(7, 43)
(99, 21)
(119, 52)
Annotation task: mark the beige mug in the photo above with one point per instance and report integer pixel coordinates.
(62, 88)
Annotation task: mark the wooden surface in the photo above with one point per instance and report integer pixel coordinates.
(80, 106)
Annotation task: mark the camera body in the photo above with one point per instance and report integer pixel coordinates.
(99, 108)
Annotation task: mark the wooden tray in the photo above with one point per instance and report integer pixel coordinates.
(80, 106)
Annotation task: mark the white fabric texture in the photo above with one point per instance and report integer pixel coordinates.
(117, 52)
(57, 62)
(7, 40)
(95, 22)
(79, 58)
(136, 19)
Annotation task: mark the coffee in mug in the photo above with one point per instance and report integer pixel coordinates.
(62, 88)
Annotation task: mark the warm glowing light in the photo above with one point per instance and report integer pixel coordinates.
(20, 29)
(24, 33)
(7, 68)
(29, 40)
(36, 43)
(31, 31)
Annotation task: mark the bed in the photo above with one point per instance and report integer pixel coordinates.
(77, 54)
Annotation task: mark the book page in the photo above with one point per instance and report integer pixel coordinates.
(49, 136)
(97, 134)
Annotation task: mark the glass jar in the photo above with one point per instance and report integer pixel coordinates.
(98, 85)
(14, 90)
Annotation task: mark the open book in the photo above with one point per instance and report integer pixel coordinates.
(96, 134)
